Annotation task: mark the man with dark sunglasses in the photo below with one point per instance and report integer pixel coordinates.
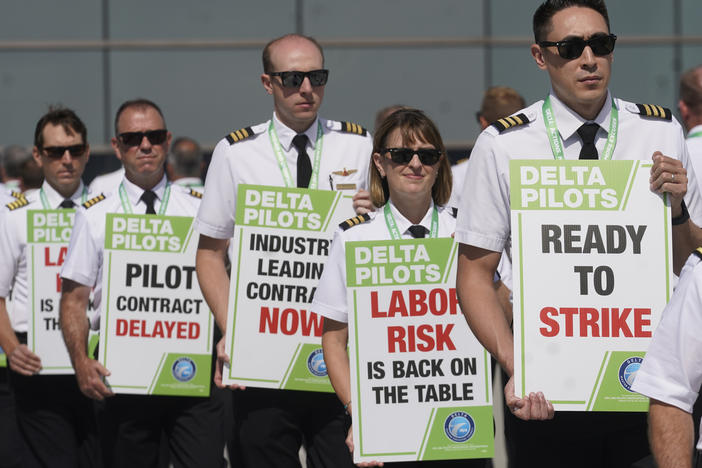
(55, 419)
(131, 425)
(579, 119)
(296, 148)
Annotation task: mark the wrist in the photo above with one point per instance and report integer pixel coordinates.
(682, 216)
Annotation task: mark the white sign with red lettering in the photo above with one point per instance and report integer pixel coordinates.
(592, 273)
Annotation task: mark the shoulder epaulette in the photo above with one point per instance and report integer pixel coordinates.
(94, 201)
(698, 252)
(350, 127)
(652, 110)
(510, 122)
(15, 194)
(241, 134)
(454, 212)
(360, 219)
(195, 193)
(19, 203)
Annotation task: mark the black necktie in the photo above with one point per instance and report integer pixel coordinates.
(149, 197)
(67, 203)
(418, 231)
(587, 133)
(304, 166)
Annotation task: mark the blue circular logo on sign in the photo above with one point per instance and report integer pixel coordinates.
(316, 364)
(459, 426)
(627, 372)
(183, 369)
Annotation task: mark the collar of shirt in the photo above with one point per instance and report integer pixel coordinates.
(695, 129)
(56, 198)
(569, 121)
(286, 134)
(403, 224)
(134, 192)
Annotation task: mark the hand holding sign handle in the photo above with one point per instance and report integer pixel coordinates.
(222, 357)
(668, 175)
(89, 374)
(533, 407)
(349, 444)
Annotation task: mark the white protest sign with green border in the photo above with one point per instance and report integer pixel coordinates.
(420, 381)
(156, 329)
(48, 235)
(592, 273)
(281, 242)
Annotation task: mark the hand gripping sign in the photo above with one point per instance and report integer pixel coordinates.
(592, 273)
(420, 381)
(156, 330)
(281, 242)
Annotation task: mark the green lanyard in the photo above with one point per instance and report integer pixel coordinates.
(45, 201)
(127, 207)
(555, 139)
(695, 135)
(392, 225)
(283, 165)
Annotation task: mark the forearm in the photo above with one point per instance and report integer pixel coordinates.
(213, 279)
(686, 238)
(8, 339)
(334, 340)
(73, 319)
(481, 306)
(670, 433)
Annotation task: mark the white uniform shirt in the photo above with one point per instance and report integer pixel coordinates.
(671, 372)
(84, 259)
(484, 214)
(13, 250)
(694, 146)
(344, 163)
(191, 182)
(107, 183)
(458, 173)
(330, 296)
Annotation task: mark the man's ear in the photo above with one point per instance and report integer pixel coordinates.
(538, 55)
(266, 82)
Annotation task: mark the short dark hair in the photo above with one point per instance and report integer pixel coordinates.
(186, 157)
(691, 89)
(414, 125)
(140, 103)
(543, 14)
(266, 57)
(64, 117)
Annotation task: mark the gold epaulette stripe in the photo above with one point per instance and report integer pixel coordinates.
(19, 203)
(195, 193)
(698, 252)
(654, 110)
(356, 220)
(350, 127)
(94, 201)
(238, 135)
(510, 122)
(16, 194)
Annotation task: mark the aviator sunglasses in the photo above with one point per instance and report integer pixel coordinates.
(569, 49)
(57, 152)
(294, 79)
(155, 137)
(427, 156)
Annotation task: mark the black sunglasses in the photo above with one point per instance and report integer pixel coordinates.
(57, 152)
(155, 137)
(294, 79)
(602, 44)
(427, 156)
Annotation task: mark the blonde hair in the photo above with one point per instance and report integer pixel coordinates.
(414, 126)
